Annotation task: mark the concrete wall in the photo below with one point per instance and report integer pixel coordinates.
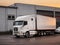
(24, 9)
(2, 19)
(5, 24)
(10, 22)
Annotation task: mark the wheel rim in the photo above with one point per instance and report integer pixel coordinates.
(27, 34)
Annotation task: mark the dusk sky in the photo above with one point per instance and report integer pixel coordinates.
(53, 3)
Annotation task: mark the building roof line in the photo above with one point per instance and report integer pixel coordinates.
(39, 5)
(8, 7)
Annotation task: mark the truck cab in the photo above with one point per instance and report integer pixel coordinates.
(18, 27)
(24, 26)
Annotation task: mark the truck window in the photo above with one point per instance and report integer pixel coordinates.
(18, 23)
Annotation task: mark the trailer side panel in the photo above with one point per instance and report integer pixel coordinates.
(45, 23)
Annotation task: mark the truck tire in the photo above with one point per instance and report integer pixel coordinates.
(27, 34)
(53, 32)
(17, 36)
(44, 33)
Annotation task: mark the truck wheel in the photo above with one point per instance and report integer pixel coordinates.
(17, 36)
(52, 32)
(42, 33)
(27, 34)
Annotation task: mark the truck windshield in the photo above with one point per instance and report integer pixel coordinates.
(18, 23)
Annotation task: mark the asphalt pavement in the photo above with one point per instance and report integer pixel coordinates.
(41, 40)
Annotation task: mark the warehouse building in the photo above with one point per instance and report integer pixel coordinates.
(9, 13)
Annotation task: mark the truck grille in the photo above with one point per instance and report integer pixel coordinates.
(15, 29)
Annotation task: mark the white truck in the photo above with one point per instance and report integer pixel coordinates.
(30, 25)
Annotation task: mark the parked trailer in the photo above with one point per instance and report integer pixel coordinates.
(30, 25)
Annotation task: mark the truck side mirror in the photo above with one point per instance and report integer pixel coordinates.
(25, 22)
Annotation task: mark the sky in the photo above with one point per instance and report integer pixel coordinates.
(52, 3)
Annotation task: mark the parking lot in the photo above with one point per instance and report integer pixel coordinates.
(42, 40)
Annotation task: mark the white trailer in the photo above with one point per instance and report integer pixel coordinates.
(30, 25)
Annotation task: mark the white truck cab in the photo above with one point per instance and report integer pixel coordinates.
(24, 25)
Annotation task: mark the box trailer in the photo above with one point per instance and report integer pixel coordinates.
(30, 25)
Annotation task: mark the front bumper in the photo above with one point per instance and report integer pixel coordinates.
(19, 33)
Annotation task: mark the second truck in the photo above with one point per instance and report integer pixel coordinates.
(30, 25)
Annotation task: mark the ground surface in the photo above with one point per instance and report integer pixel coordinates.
(42, 40)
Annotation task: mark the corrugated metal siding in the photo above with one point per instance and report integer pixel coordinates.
(10, 22)
(2, 19)
(25, 9)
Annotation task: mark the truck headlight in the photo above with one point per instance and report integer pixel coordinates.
(15, 29)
